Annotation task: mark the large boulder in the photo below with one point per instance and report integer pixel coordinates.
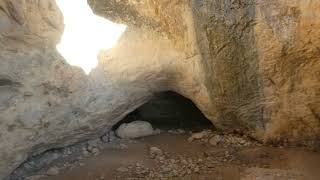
(135, 129)
(251, 66)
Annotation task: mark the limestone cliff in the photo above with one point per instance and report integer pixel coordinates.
(250, 66)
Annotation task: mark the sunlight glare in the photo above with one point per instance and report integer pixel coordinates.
(85, 34)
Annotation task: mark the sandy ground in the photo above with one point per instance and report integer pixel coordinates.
(133, 161)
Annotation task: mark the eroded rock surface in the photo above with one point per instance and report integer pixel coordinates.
(257, 61)
(250, 66)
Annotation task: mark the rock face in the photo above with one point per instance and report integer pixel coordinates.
(262, 62)
(250, 66)
(44, 102)
(257, 62)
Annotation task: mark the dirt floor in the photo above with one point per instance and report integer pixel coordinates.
(177, 156)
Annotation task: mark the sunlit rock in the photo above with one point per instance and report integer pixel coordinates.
(249, 66)
(135, 129)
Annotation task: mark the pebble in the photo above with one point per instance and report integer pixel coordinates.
(35, 177)
(181, 131)
(109, 137)
(122, 169)
(123, 146)
(52, 171)
(154, 151)
(215, 140)
(198, 135)
(157, 132)
(85, 152)
(81, 164)
(95, 151)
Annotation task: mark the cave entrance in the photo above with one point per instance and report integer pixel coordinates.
(169, 110)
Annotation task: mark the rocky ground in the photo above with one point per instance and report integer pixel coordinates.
(172, 154)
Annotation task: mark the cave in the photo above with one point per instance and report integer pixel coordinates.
(213, 88)
(167, 111)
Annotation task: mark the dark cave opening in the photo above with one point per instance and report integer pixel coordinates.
(169, 110)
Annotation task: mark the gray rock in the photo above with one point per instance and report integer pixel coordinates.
(122, 169)
(109, 137)
(155, 151)
(95, 151)
(135, 129)
(36, 177)
(52, 171)
(199, 135)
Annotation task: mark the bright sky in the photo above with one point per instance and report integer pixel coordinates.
(85, 34)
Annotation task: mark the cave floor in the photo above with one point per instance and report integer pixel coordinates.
(182, 159)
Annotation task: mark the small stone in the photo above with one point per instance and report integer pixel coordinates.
(160, 158)
(102, 178)
(85, 152)
(93, 144)
(109, 137)
(172, 161)
(175, 173)
(53, 171)
(138, 164)
(215, 140)
(154, 151)
(196, 170)
(157, 132)
(36, 177)
(81, 164)
(28, 93)
(181, 131)
(95, 151)
(123, 146)
(165, 169)
(67, 152)
(105, 138)
(197, 136)
(122, 169)
(190, 139)
(171, 131)
(183, 161)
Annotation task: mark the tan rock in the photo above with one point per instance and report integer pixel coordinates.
(251, 66)
(257, 62)
(215, 140)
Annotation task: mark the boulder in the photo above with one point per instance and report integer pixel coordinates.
(134, 129)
